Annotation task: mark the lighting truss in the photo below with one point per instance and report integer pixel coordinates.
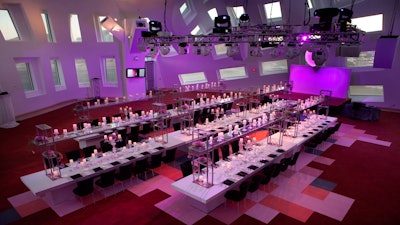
(267, 36)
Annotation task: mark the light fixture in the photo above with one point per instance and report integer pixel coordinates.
(155, 26)
(183, 48)
(205, 49)
(325, 16)
(244, 20)
(165, 49)
(344, 19)
(316, 56)
(255, 50)
(232, 49)
(222, 24)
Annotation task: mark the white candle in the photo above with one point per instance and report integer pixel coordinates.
(129, 142)
(56, 131)
(71, 161)
(65, 131)
(105, 137)
(95, 151)
(74, 126)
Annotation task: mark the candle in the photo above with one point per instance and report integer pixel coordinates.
(110, 138)
(75, 127)
(93, 155)
(83, 160)
(56, 132)
(71, 161)
(95, 151)
(65, 131)
(129, 142)
(105, 137)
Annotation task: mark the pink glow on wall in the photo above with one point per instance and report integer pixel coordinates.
(310, 80)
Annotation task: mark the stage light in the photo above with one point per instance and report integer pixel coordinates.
(165, 49)
(317, 56)
(183, 48)
(232, 49)
(344, 18)
(325, 18)
(205, 49)
(255, 50)
(155, 27)
(222, 24)
(244, 20)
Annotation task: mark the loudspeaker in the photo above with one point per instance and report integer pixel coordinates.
(348, 50)
(385, 51)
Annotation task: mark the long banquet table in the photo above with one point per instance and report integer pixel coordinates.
(250, 162)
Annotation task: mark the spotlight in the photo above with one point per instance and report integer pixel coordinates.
(183, 48)
(344, 18)
(232, 49)
(153, 51)
(165, 49)
(244, 20)
(325, 18)
(222, 24)
(320, 55)
(205, 49)
(155, 26)
(255, 50)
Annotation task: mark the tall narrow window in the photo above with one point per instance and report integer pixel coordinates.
(196, 31)
(26, 76)
(7, 26)
(58, 75)
(105, 35)
(213, 13)
(273, 11)
(48, 28)
(110, 71)
(75, 29)
(82, 73)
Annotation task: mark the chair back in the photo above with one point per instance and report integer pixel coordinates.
(84, 187)
(186, 168)
(225, 151)
(170, 155)
(107, 179)
(87, 151)
(105, 146)
(125, 172)
(156, 160)
(74, 154)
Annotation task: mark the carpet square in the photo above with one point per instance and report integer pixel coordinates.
(375, 141)
(8, 216)
(324, 160)
(315, 192)
(22, 198)
(324, 184)
(262, 213)
(169, 171)
(345, 141)
(288, 208)
(227, 213)
(31, 207)
(311, 171)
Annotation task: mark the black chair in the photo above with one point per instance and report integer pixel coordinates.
(105, 146)
(134, 133)
(238, 195)
(177, 126)
(293, 160)
(216, 155)
(120, 143)
(169, 156)
(225, 151)
(267, 174)
(84, 188)
(276, 169)
(146, 128)
(186, 168)
(155, 162)
(74, 154)
(235, 146)
(140, 168)
(106, 180)
(87, 151)
(94, 123)
(285, 163)
(255, 183)
(124, 173)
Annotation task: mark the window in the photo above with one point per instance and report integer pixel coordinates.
(26, 76)
(192, 78)
(7, 26)
(48, 28)
(366, 59)
(28, 71)
(366, 93)
(273, 11)
(109, 71)
(369, 23)
(235, 13)
(233, 73)
(220, 49)
(213, 13)
(309, 4)
(196, 31)
(105, 35)
(75, 29)
(187, 11)
(274, 67)
(82, 73)
(58, 76)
